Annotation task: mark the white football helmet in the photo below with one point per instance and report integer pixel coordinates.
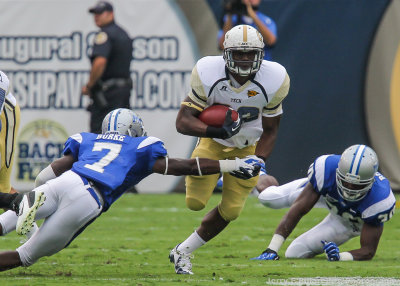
(243, 38)
(355, 174)
(123, 121)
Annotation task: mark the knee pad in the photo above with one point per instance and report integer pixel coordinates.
(194, 204)
(298, 250)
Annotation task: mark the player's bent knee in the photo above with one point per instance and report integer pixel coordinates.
(194, 204)
(272, 198)
(230, 215)
(298, 250)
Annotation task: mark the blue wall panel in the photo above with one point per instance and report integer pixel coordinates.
(324, 45)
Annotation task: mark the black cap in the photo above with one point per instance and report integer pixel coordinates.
(100, 7)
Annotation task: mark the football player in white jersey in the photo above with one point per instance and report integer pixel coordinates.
(10, 117)
(255, 88)
(94, 172)
(358, 197)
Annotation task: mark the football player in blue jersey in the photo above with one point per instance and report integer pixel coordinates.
(358, 197)
(94, 172)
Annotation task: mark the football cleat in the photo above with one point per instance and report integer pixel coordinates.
(181, 261)
(27, 211)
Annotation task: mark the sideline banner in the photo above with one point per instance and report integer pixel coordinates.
(44, 49)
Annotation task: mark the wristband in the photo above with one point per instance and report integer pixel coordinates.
(345, 256)
(214, 132)
(166, 165)
(198, 166)
(262, 158)
(227, 166)
(276, 242)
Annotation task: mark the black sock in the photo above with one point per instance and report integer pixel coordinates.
(6, 200)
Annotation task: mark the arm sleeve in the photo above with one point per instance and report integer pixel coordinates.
(158, 150)
(102, 45)
(318, 175)
(72, 146)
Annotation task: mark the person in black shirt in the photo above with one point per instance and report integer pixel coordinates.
(109, 85)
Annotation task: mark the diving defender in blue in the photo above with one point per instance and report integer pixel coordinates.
(358, 197)
(94, 172)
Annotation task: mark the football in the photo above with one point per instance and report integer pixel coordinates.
(214, 115)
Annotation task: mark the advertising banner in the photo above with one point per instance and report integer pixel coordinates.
(44, 47)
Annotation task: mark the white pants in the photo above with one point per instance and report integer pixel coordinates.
(68, 209)
(332, 228)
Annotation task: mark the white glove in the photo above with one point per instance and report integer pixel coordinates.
(248, 167)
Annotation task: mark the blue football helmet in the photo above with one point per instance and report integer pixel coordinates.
(125, 122)
(355, 174)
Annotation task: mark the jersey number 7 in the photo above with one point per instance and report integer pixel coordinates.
(107, 159)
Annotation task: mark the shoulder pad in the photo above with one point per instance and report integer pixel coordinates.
(271, 76)
(211, 69)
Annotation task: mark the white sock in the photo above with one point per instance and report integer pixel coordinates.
(191, 243)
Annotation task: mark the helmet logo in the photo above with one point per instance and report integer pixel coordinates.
(251, 93)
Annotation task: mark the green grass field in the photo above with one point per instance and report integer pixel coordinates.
(129, 245)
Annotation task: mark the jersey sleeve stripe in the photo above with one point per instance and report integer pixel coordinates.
(320, 174)
(148, 141)
(197, 96)
(77, 137)
(214, 85)
(273, 108)
(12, 120)
(381, 206)
(261, 87)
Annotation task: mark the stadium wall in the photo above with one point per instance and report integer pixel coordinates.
(343, 60)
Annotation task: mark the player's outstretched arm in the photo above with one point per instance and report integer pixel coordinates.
(369, 240)
(301, 206)
(247, 166)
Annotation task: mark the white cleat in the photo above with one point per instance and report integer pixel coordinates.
(181, 261)
(27, 211)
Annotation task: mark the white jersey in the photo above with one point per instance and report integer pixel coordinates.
(4, 89)
(261, 95)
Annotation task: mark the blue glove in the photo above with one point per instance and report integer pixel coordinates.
(268, 254)
(331, 250)
(262, 170)
(248, 167)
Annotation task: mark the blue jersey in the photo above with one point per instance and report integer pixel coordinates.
(113, 162)
(246, 20)
(375, 208)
